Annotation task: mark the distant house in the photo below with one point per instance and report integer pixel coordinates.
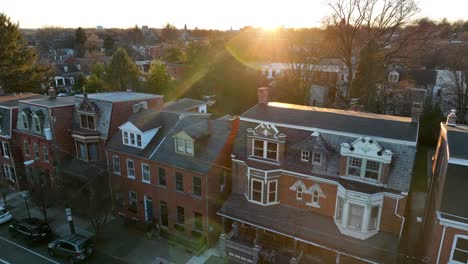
(317, 185)
(67, 73)
(446, 215)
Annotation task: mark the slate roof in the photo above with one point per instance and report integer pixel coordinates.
(366, 124)
(183, 104)
(312, 227)
(103, 120)
(454, 199)
(457, 140)
(400, 169)
(120, 96)
(207, 149)
(161, 148)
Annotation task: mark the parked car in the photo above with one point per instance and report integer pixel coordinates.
(74, 248)
(5, 215)
(30, 229)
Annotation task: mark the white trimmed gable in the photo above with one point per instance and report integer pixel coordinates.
(316, 188)
(130, 127)
(366, 148)
(299, 184)
(146, 136)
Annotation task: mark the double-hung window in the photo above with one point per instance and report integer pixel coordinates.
(132, 198)
(257, 190)
(36, 123)
(180, 221)
(132, 139)
(145, 173)
(364, 169)
(459, 252)
(116, 165)
(162, 176)
(131, 169)
(45, 153)
(356, 213)
(317, 158)
(305, 155)
(265, 149)
(372, 170)
(184, 146)
(36, 151)
(197, 186)
(26, 147)
(24, 119)
(354, 166)
(6, 149)
(272, 191)
(299, 193)
(88, 121)
(179, 181)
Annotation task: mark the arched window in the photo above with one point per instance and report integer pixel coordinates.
(299, 193)
(316, 199)
(24, 120)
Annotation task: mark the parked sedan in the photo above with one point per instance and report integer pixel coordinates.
(30, 229)
(5, 215)
(74, 248)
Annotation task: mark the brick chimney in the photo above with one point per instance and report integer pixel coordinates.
(416, 112)
(262, 93)
(52, 93)
(452, 118)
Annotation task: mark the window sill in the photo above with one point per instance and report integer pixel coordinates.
(359, 179)
(162, 186)
(147, 182)
(274, 162)
(132, 178)
(316, 205)
(116, 173)
(355, 233)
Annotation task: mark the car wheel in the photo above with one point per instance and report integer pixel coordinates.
(51, 253)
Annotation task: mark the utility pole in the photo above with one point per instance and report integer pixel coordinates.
(25, 195)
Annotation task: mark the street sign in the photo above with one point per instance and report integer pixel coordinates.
(69, 218)
(68, 211)
(25, 194)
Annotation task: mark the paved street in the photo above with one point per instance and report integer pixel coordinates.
(12, 252)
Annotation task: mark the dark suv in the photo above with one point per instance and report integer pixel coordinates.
(30, 229)
(74, 248)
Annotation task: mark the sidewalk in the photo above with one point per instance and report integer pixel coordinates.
(117, 240)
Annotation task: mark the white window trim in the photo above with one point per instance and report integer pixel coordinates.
(130, 136)
(312, 202)
(268, 192)
(113, 165)
(261, 191)
(363, 170)
(321, 158)
(143, 173)
(130, 198)
(87, 121)
(6, 150)
(36, 122)
(454, 243)
(185, 142)
(301, 192)
(36, 147)
(45, 153)
(24, 120)
(128, 171)
(7, 170)
(303, 152)
(265, 149)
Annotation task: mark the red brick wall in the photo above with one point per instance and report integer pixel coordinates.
(389, 222)
(447, 243)
(62, 128)
(327, 204)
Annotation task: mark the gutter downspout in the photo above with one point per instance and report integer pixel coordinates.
(401, 217)
(441, 243)
(110, 179)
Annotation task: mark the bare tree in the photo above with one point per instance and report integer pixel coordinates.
(352, 23)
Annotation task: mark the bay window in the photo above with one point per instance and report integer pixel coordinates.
(339, 209)
(265, 149)
(257, 190)
(355, 216)
(272, 191)
(374, 214)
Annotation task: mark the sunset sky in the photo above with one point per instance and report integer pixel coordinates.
(218, 14)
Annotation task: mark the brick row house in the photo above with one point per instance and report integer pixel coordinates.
(172, 169)
(11, 161)
(318, 185)
(446, 216)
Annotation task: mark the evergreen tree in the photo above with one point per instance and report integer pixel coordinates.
(80, 40)
(370, 73)
(122, 73)
(19, 71)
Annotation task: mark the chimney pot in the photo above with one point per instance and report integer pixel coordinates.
(262, 94)
(452, 118)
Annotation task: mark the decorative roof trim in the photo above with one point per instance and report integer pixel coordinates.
(366, 148)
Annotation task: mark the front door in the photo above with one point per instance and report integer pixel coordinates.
(149, 209)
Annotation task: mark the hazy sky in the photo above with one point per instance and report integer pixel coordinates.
(219, 14)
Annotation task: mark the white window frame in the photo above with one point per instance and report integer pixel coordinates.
(299, 193)
(369, 226)
(275, 191)
(87, 121)
(7, 170)
(6, 150)
(36, 151)
(393, 76)
(363, 169)
(24, 120)
(265, 149)
(184, 146)
(313, 158)
(26, 148)
(125, 137)
(454, 244)
(114, 159)
(130, 176)
(143, 173)
(305, 155)
(36, 123)
(252, 191)
(360, 228)
(315, 199)
(45, 153)
(132, 139)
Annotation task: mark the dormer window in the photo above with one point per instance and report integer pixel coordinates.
(393, 76)
(36, 122)
(184, 145)
(24, 120)
(305, 155)
(365, 169)
(132, 139)
(265, 149)
(87, 121)
(317, 158)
